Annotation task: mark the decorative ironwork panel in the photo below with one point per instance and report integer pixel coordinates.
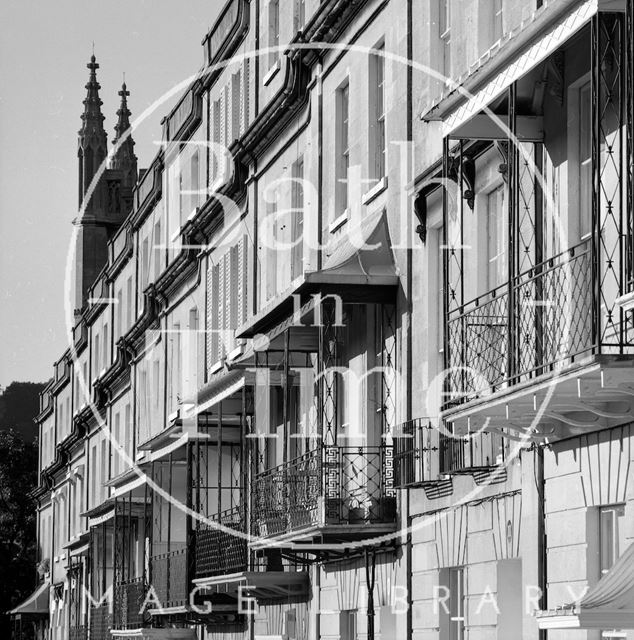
(356, 483)
(219, 552)
(629, 140)
(551, 324)
(128, 597)
(609, 192)
(479, 330)
(554, 307)
(75, 575)
(169, 577)
(78, 633)
(100, 622)
(474, 451)
(388, 366)
(329, 366)
(415, 443)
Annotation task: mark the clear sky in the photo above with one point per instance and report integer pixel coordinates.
(44, 49)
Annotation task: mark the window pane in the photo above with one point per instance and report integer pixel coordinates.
(585, 161)
(496, 254)
(607, 539)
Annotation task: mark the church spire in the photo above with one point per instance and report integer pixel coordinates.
(92, 136)
(92, 118)
(124, 158)
(123, 114)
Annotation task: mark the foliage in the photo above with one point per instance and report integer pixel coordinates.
(19, 404)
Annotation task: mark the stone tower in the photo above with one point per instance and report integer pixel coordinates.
(105, 191)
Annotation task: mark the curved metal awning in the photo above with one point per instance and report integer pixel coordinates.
(363, 256)
(607, 605)
(359, 267)
(37, 604)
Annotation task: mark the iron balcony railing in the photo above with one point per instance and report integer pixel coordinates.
(218, 552)
(551, 324)
(478, 451)
(128, 597)
(78, 633)
(331, 485)
(100, 622)
(169, 577)
(424, 452)
(415, 443)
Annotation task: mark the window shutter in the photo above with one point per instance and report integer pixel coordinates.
(209, 321)
(227, 293)
(244, 102)
(195, 181)
(235, 298)
(241, 297)
(213, 297)
(216, 139)
(236, 105)
(223, 117)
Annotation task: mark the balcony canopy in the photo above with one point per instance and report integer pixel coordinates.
(359, 267)
(262, 585)
(608, 605)
(155, 634)
(36, 604)
(489, 82)
(362, 257)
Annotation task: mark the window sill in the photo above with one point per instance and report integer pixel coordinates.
(338, 222)
(376, 190)
(271, 73)
(625, 302)
(236, 353)
(216, 367)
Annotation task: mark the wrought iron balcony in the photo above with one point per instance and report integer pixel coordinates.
(424, 452)
(168, 573)
(78, 633)
(128, 599)
(327, 487)
(219, 552)
(415, 443)
(541, 320)
(100, 622)
(574, 308)
(471, 453)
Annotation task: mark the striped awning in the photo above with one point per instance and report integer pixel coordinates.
(535, 54)
(607, 605)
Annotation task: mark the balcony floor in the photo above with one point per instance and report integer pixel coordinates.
(266, 585)
(591, 395)
(329, 533)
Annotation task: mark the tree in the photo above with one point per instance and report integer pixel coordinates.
(19, 404)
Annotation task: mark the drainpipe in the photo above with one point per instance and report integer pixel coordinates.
(405, 495)
(370, 579)
(542, 548)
